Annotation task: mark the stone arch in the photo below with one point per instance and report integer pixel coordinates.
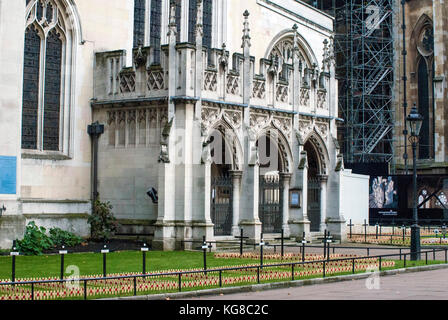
(320, 148)
(304, 47)
(422, 64)
(282, 145)
(230, 142)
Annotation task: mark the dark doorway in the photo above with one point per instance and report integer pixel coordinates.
(313, 188)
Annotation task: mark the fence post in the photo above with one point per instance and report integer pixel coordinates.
(404, 260)
(220, 278)
(434, 254)
(353, 265)
(400, 254)
(380, 263)
(446, 258)
(32, 291)
(426, 257)
(292, 271)
(85, 289)
(135, 286)
(180, 282)
(258, 274)
(324, 269)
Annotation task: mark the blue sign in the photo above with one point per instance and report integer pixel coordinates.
(8, 169)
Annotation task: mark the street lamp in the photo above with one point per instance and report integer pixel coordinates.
(414, 121)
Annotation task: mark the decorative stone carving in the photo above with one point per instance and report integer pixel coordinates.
(323, 129)
(305, 127)
(164, 142)
(210, 81)
(233, 117)
(282, 93)
(139, 58)
(259, 89)
(209, 117)
(155, 80)
(127, 82)
(284, 125)
(259, 121)
(111, 117)
(304, 96)
(322, 99)
(233, 85)
(223, 59)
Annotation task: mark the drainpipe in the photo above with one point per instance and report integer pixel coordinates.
(95, 130)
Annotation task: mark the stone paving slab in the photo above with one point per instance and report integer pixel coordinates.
(428, 285)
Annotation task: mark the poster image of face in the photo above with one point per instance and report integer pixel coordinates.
(383, 193)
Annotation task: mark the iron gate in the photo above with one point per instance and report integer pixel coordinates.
(314, 204)
(221, 205)
(270, 204)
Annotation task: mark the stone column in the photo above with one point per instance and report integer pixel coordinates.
(285, 179)
(236, 182)
(298, 217)
(323, 201)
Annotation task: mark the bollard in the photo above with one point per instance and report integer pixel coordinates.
(325, 243)
(105, 251)
(144, 249)
(204, 250)
(62, 252)
(13, 255)
(261, 250)
(282, 242)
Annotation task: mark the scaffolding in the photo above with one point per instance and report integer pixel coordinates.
(364, 52)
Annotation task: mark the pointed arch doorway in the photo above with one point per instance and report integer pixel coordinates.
(314, 188)
(271, 184)
(221, 200)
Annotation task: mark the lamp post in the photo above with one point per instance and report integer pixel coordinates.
(414, 122)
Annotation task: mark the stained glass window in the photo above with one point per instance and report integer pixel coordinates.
(423, 97)
(30, 97)
(156, 24)
(178, 4)
(192, 13)
(52, 96)
(139, 22)
(208, 19)
(43, 65)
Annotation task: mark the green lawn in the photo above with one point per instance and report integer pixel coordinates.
(117, 262)
(128, 261)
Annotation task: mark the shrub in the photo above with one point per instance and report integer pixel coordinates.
(102, 221)
(35, 240)
(61, 237)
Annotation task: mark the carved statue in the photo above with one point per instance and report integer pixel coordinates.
(164, 142)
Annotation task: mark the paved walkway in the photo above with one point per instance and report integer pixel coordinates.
(426, 285)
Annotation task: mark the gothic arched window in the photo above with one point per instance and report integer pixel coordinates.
(442, 201)
(139, 22)
(207, 21)
(155, 28)
(45, 56)
(424, 66)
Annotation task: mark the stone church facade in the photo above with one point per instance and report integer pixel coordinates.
(226, 111)
(426, 70)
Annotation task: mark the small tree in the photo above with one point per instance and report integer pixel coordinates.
(102, 221)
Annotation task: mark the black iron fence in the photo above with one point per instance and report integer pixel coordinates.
(257, 268)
